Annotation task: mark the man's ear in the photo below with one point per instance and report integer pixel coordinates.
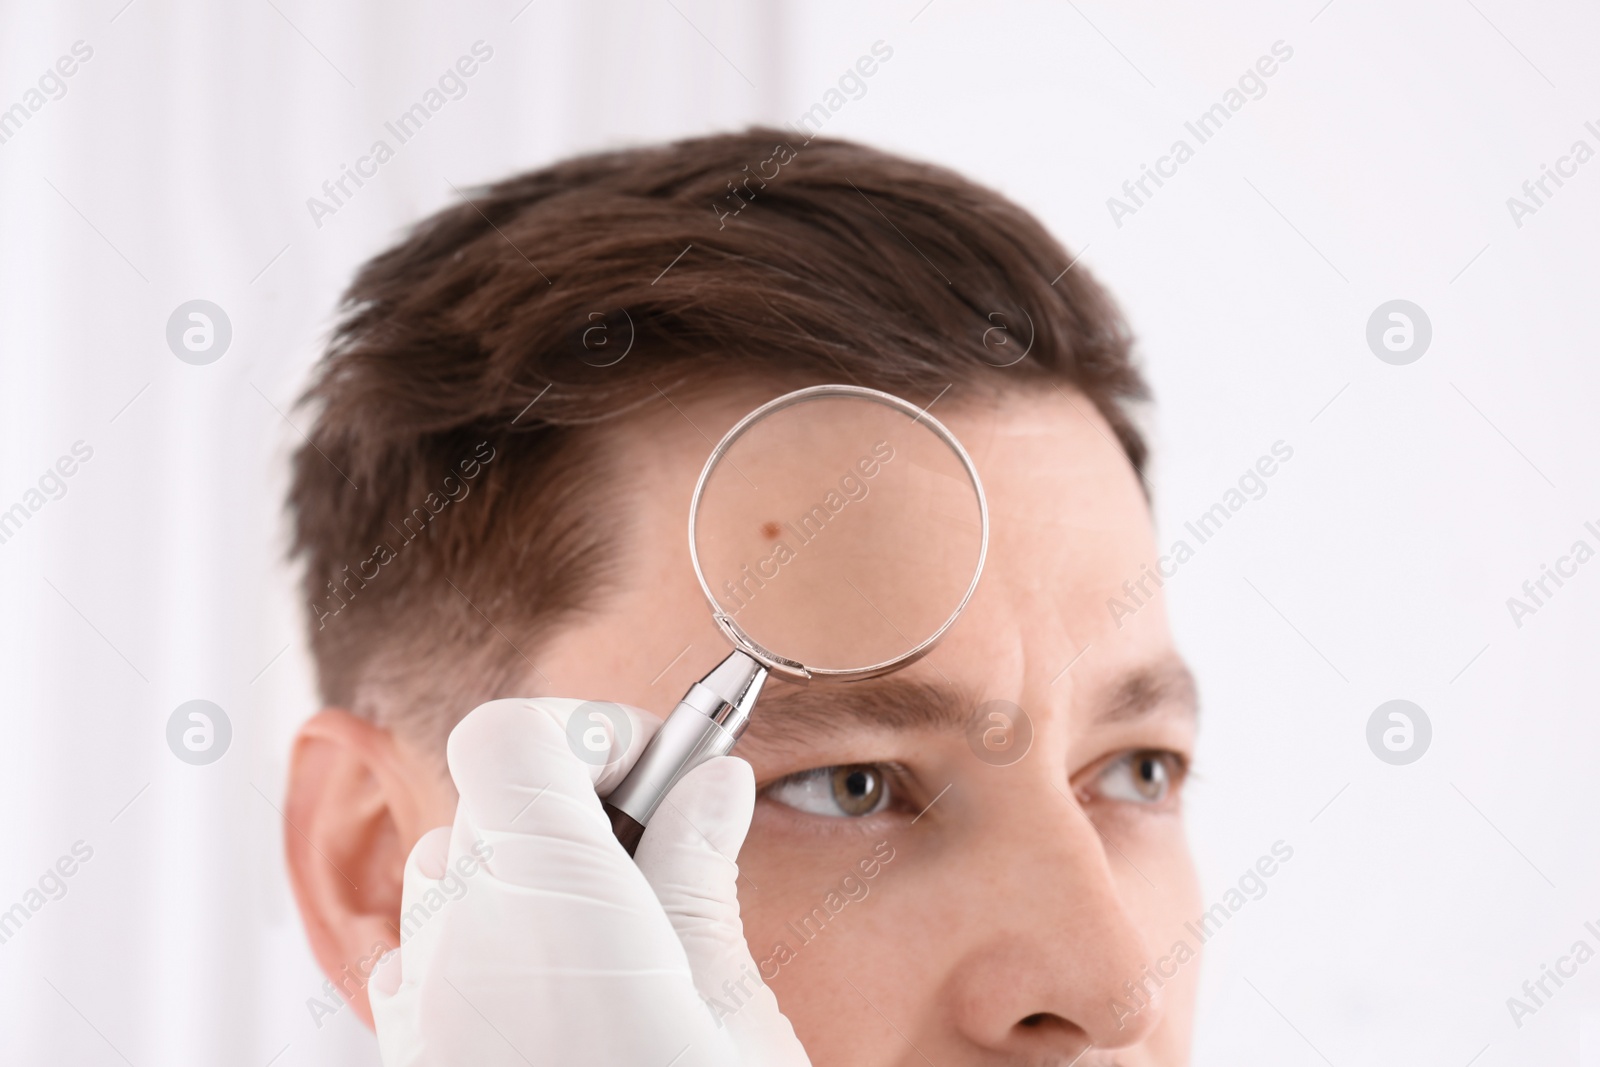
(359, 797)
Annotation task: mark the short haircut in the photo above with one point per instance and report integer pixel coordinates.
(447, 505)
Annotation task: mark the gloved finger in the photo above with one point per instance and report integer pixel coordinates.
(385, 980)
(688, 855)
(394, 1014)
(393, 1000)
(507, 754)
(429, 855)
(529, 813)
(426, 864)
(528, 773)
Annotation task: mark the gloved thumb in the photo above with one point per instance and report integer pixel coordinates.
(688, 855)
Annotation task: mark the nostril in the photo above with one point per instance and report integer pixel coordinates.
(1035, 1019)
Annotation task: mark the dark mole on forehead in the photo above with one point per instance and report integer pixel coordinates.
(770, 528)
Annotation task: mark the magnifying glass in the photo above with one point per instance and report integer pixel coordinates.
(838, 532)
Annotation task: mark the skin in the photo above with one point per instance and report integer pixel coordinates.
(984, 913)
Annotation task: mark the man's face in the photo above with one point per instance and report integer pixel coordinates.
(908, 894)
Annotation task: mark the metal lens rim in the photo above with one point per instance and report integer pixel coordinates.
(774, 661)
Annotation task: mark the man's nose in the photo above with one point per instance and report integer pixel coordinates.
(1064, 964)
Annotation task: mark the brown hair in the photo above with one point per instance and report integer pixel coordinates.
(442, 505)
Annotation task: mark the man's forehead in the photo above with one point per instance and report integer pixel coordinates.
(1069, 524)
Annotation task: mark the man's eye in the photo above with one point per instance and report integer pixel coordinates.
(1147, 777)
(849, 791)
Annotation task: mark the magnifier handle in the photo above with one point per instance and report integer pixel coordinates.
(707, 722)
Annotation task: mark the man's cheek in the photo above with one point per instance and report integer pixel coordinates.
(879, 954)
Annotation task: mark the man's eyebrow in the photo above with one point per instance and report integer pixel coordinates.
(1143, 690)
(797, 714)
(793, 714)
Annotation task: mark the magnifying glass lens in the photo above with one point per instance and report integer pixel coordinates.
(839, 531)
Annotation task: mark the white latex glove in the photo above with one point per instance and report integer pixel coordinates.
(530, 936)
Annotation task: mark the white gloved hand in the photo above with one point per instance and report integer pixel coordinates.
(530, 936)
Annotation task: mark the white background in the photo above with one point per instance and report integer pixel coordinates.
(1418, 499)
